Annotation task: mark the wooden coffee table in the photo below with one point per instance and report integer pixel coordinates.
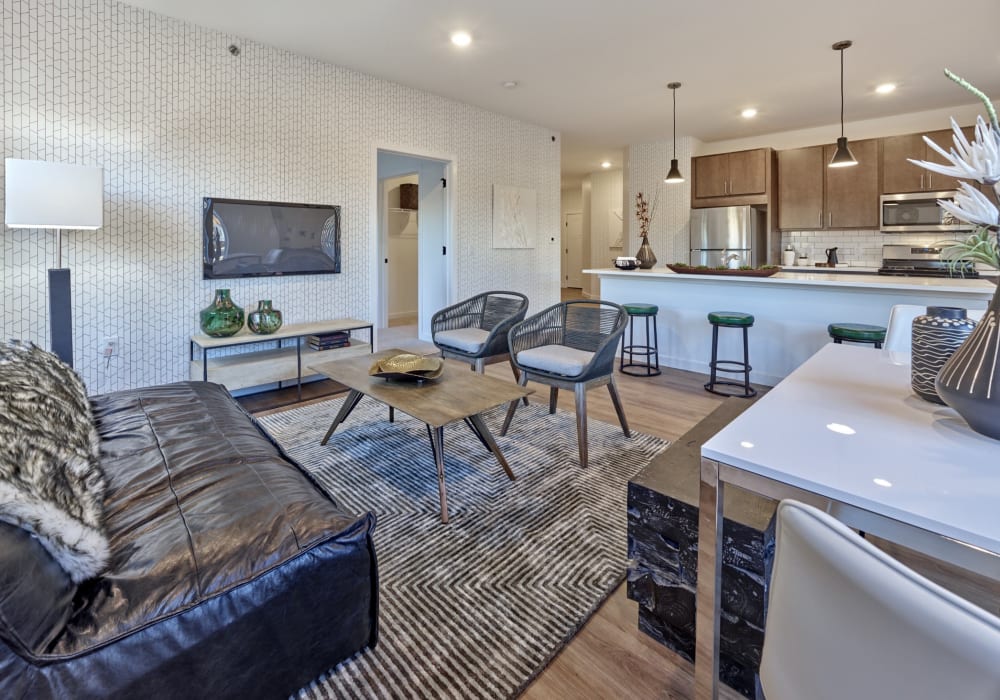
(457, 395)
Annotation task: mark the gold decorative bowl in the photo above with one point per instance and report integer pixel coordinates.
(408, 367)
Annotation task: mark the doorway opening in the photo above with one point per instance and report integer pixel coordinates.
(414, 223)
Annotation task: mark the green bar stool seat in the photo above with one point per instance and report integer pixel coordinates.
(648, 353)
(857, 333)
(730, 319)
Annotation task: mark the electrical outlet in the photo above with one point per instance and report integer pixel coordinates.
(110, 347)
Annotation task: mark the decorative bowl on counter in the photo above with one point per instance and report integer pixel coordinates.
(626, 263)
(765, 271)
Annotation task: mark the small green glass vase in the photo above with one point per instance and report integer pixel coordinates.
(265, 320)
(222, 317)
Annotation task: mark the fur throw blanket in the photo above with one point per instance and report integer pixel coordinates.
(51, 483)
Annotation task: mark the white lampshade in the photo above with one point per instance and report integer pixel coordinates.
(39, 194)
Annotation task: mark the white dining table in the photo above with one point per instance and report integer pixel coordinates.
(845, 432)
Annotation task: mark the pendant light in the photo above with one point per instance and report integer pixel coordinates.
(675, 174)
(843, 157)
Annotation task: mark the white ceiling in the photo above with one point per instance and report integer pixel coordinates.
(596, 70)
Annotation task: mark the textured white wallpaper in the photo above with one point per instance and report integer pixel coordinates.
(173, 117)
(646, 166)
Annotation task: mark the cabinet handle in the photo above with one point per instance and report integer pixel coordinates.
(821, 218)
(921, 180)
(930, 181)
(830, 216)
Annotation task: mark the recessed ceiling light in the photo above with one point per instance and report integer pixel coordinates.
(606, 164)
(841, 428)
(884, 483)
(885, 88)
(461, 38)
(509, 84)
(748, 113)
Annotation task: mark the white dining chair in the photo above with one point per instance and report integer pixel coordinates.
(845, 620)
(898, 335)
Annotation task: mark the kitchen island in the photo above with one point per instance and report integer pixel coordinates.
(792, 310)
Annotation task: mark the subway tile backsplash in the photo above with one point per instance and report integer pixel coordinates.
(858, 248)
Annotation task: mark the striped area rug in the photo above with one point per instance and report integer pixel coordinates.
(478, 607)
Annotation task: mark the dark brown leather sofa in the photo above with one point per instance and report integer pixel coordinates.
(232, 574)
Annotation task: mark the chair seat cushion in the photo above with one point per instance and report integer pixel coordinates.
(730, 318)
(637, 309)
(857, 331)
(464, 339)
(557, 359)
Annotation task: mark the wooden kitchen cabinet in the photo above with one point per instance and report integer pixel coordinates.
(743, 174)
(711, 175)
(899, 175)
(813, 196)
(851, 194)
(800, 188)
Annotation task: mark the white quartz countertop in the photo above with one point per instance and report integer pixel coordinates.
(978, 287)
(846, 425)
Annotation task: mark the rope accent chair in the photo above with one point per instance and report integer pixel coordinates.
(475, 330)
(571, 345)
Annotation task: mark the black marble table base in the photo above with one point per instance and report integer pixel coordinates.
(663, 556)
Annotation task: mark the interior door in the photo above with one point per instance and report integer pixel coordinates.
(572, 250)
(432, 243)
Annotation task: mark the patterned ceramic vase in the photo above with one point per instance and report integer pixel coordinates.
(222, 317)
(970, 381)
(645, 255)
(264, 320)
(936, 336)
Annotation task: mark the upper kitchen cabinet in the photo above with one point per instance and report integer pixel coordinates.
(800, 188)
(727, 179)
(899, 175)
(812, 195)
(851, 193)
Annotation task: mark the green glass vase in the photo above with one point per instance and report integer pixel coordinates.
(222, 317)
(265, 320)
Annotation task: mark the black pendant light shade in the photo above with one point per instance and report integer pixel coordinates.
(675, 174)
(843, 156)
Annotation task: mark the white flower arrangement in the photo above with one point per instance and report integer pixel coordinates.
(977, 160)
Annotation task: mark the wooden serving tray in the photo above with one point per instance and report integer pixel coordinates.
(724, 273)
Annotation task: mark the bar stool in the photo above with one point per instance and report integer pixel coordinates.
(730, 319)
(650, 364)
(857, 333)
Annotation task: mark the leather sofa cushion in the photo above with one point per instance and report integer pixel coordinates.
(198, 503)
(36, 595)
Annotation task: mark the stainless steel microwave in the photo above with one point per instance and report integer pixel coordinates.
(914, 212)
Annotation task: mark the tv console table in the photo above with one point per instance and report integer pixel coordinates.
(280, 362)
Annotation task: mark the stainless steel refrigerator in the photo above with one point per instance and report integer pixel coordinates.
(736, 230)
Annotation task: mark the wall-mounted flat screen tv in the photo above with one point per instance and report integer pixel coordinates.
(262, 239)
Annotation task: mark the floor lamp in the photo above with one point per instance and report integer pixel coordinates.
(39, 194)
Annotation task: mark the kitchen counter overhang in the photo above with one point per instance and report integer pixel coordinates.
(792, 310)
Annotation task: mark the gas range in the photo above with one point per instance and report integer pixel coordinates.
(921, 261)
